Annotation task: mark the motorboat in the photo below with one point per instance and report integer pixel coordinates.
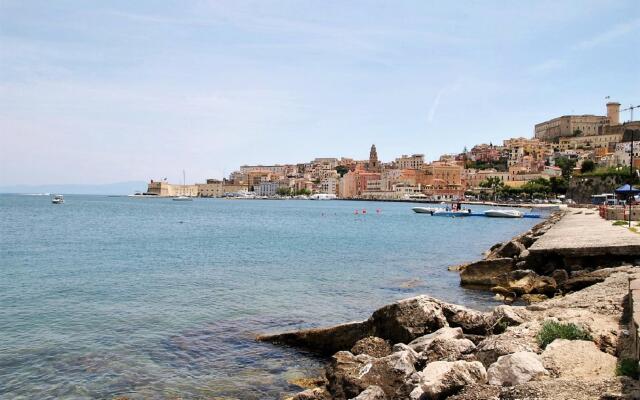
(182, 198)
(58, 199)
(322, 196)
(457, 213)
(426, 210)
(503, 213)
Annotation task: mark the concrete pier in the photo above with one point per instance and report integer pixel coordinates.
(585, 234)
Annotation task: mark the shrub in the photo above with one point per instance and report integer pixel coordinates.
(620, 223)
(552, 330)
(627, 367)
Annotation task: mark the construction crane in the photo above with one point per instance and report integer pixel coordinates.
(631, 109)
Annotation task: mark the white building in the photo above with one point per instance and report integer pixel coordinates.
(329, 186)
(266, 189)
(623, 153)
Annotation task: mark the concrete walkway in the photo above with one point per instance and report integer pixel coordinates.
(587, 235)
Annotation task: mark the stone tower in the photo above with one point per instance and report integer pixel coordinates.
(373, 158)
(613, 113)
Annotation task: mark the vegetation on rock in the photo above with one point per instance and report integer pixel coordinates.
(552, 330)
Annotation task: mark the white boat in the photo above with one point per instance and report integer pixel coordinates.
(458, 213)
(426, 210)
(57, 199)
(322, 196)
(503, 213)
(182, 198)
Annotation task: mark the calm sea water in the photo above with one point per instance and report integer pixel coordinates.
(150, 298)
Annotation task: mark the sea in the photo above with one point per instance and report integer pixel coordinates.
(106, 297)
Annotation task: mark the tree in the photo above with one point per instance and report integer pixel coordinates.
(283, 191)
(577, 132)
(587, 166)
(567, 165)
(492, 182)
(341, 169)
(558, 185)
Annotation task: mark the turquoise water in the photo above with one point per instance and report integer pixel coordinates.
(150, 298)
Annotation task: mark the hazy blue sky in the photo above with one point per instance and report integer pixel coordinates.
(110, 91)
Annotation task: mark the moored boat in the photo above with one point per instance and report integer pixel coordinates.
(458, 213)
(426, 210)
(503, 213)
(182, 198)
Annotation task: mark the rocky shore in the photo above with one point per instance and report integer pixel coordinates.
(569, 342)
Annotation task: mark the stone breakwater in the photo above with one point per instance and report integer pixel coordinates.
(424, 348)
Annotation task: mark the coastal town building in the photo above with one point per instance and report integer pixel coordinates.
(485, 153)
(329, 185)
(275, 169)
(266, 189)
(573, 125)
(213, 188)
(414, 161)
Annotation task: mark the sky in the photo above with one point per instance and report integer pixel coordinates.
(111, 91)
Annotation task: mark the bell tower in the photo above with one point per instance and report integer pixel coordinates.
(373, 158)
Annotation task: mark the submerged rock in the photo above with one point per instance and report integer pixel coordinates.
(442, 378)
(312, 394)
(324, 340)
(516, 368)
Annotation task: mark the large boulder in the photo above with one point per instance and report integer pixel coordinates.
(526, 281)
(373, 392)
(405, 320)
(443, 378)
(471, 321)
(514, 339)
(447, 349)
(349, 375)
(570, 359)
(423, 342)
(514, 369)
(485, 272)
(323, 340)
(372, 346)
(511, 249)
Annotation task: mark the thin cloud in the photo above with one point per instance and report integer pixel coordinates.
(613, 33)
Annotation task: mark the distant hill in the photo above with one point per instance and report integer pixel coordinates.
(108, 189)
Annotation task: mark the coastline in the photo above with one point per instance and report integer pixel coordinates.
(424, 348)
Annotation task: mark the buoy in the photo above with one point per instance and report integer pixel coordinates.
(364, 211)
(378, 210)
(356, 212)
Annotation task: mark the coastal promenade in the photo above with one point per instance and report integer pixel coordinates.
(585, 234)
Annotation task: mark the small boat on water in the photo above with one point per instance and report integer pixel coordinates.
(58, 199)
(426, 210)
(182, 198)
(457, 213)
(503, 214)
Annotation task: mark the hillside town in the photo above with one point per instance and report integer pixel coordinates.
(540, 166)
